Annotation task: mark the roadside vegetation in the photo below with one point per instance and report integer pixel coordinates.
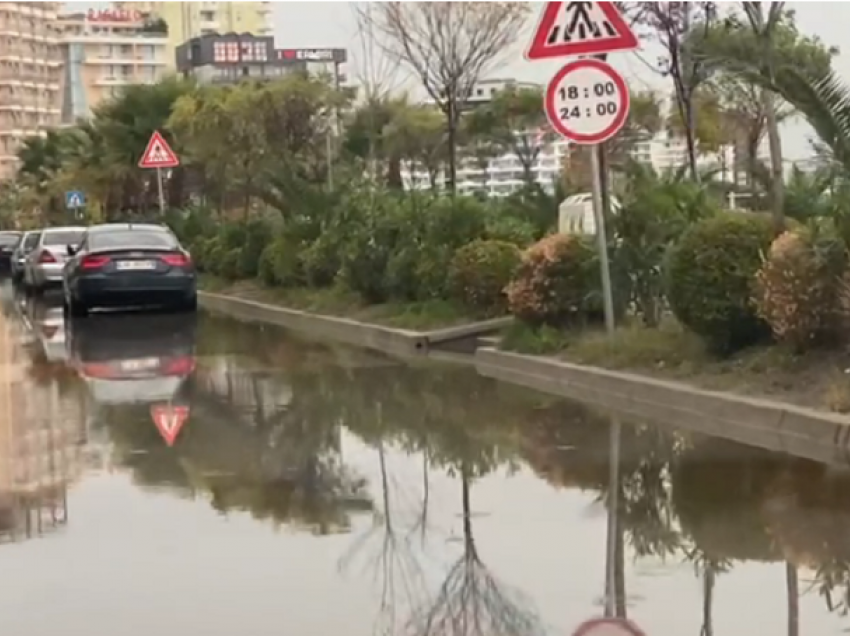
(298, 192)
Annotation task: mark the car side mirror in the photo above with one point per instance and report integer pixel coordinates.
(71, 250)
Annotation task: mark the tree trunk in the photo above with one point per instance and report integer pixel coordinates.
(452, 123)
(777, 186)
(690, 138)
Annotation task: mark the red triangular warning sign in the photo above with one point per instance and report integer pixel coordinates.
(169, 420)
(158, 154)
(580, 28)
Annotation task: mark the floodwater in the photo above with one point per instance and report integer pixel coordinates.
(322, 490)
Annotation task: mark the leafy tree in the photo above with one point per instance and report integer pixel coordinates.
(734, 54)
(670, 24)
(259, 140)
(416, 136)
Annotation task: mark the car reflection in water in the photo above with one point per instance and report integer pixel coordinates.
(48, 327)
(133, 359)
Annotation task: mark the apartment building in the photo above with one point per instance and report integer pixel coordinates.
(30, 67)
(102, 52)
(503, 175)
(187, 20)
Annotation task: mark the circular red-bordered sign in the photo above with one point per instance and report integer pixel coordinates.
(608, 627)
(587, 102)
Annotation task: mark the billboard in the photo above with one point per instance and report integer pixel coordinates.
(337, 56)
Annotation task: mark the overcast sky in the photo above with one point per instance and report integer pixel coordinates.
(319, 24)
(333, 24)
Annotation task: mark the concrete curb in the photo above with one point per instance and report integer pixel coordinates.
(821, 436)
(387, 339)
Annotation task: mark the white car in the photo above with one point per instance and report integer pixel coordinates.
(43, 265)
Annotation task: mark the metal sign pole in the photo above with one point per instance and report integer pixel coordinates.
(602, 240)
(160, 191)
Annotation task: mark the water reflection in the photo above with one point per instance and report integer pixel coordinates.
(41, 430)
(475, 507)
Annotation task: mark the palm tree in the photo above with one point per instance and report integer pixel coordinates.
(824, 101)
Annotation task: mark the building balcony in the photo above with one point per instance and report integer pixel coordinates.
(114, 80)
(111, 59)
(20, 79)
(142, 60)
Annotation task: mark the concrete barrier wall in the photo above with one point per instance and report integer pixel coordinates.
(821, 436)
(396, 341)
(387, 339)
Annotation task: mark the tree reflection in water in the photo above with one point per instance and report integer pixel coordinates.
(471, 601)
(393, 562)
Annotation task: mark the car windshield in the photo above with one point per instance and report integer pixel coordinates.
(63, 237)
(9, 238)
(117, 239)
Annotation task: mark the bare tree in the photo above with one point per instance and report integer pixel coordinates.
(669, 24)
(764, 28)
(449, 46)
(471, 601)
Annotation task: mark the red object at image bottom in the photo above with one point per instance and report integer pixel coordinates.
(169, 420)
(608, 627)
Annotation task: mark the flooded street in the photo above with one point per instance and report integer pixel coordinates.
(202, 477)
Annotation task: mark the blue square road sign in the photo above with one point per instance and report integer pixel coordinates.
(74, 199)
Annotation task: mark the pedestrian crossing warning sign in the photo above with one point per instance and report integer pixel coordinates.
(580, 28)
(158, 154)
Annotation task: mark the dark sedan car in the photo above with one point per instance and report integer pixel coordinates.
(121, 265)
(8, 241)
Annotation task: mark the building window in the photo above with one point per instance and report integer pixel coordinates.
(219, 52)
(247, 52)
(260, 52)
(207, 16)
(233, 51)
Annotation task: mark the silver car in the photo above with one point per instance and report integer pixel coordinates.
(43, 266)
(26, 245)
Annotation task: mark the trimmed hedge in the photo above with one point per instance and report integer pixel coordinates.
(710, 274)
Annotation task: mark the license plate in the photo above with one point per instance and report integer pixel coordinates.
(140, 365)
(135, 265)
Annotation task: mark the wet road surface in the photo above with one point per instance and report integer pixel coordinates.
(321, 490)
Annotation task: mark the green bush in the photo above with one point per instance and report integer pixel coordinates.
(280, 263)
(510, 230)
(320, 262)
(213, 254)
(556, 283)
(710, 273)
(479, 274)
(376, 228)
(230, 264)
(258, 234)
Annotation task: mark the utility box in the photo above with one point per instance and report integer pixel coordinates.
(575, 214)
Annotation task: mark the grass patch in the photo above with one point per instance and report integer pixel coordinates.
(819, 379)
(539, 341)
(335, 301)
